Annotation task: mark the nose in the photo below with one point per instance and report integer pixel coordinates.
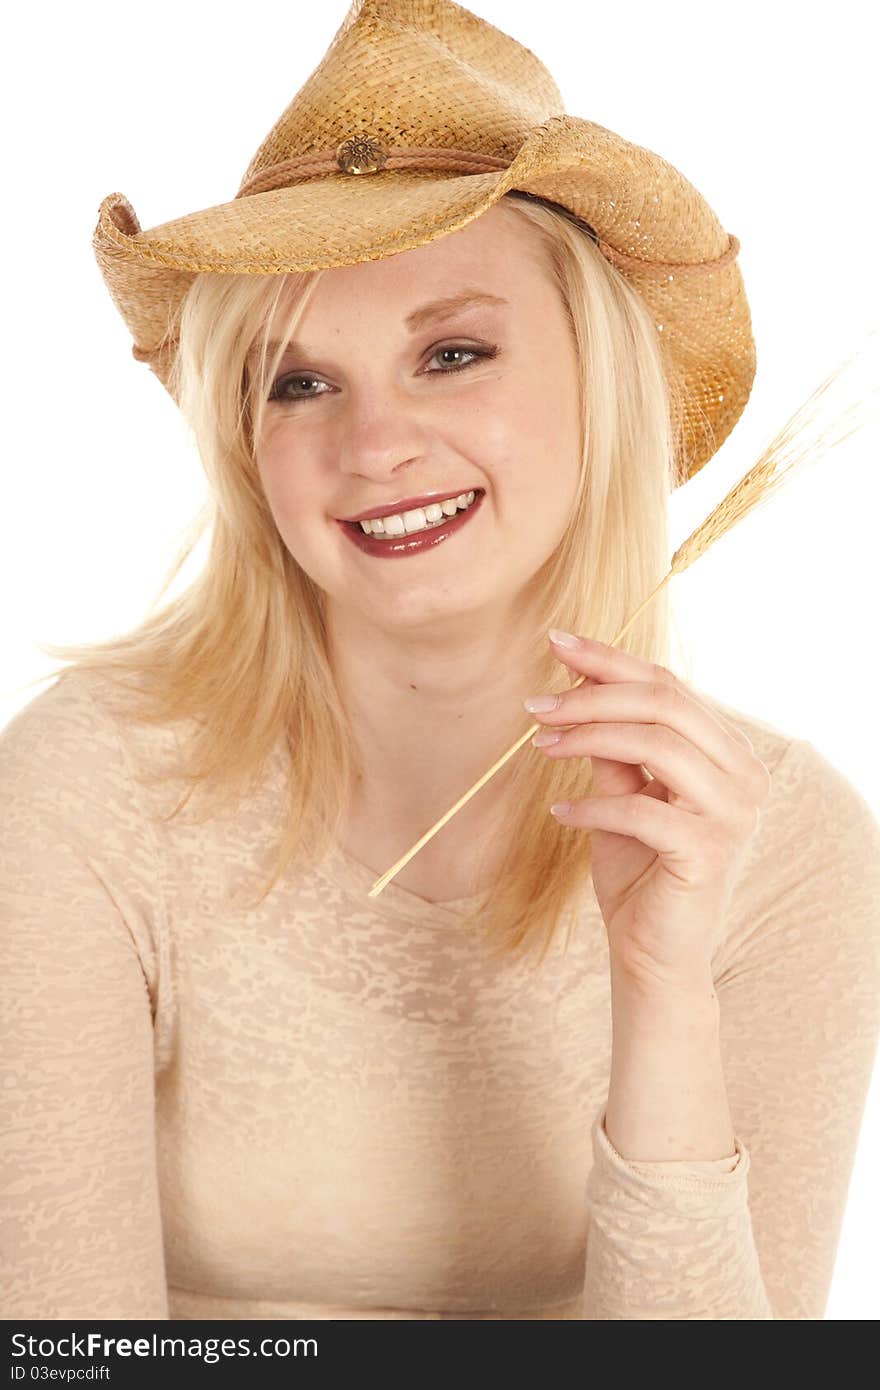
(380, 435)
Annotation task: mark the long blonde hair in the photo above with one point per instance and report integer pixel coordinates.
(242, 651)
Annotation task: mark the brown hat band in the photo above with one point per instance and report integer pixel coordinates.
(361, 155)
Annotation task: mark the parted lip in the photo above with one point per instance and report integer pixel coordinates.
(407, 504)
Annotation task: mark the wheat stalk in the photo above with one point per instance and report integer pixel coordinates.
(805, 437)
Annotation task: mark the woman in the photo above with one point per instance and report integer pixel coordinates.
(241, 1087)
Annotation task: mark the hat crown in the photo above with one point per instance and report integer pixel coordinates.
(415, 73)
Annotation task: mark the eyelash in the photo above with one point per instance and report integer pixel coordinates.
(477, 354)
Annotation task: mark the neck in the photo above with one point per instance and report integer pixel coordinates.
(430, 715)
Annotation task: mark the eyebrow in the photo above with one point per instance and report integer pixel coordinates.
(418, 319)
(437, 308)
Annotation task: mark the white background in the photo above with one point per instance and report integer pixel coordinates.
(768, 109)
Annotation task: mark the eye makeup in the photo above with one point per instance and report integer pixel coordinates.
(476, 353)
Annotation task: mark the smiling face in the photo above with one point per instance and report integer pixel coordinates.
(380, 403)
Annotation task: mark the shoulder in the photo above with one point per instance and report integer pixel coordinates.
(70, 745)
(812, 870)
(57, 727)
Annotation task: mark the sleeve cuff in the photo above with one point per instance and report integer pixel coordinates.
(710, 1176)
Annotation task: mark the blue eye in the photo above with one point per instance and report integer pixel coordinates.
(279, 390)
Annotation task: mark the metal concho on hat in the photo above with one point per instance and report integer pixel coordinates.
(360, 154)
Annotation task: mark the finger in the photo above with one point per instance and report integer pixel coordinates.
(700, 786)
(667, 829)
(654, 703)
(600, 661)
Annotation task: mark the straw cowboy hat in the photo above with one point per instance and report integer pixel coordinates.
(418, 118)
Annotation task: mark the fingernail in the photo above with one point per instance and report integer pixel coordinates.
(545, 739)
(560, 808)
(564, 639)
(540, 704)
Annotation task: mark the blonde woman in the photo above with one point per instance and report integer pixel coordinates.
(604, 1063)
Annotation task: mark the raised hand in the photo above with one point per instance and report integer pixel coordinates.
(677, 797)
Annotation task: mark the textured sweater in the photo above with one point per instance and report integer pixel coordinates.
(338, 1107)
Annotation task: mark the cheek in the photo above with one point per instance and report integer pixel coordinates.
(298, 505)
(526, 440)
(285, 486)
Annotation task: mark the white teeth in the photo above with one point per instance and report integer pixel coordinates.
(419, 519)
(414, 520)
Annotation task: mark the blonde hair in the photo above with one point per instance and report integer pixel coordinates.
(242, 651)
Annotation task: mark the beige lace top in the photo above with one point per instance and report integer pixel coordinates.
(338, 1107)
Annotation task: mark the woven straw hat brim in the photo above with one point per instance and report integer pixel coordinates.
(652, 224)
